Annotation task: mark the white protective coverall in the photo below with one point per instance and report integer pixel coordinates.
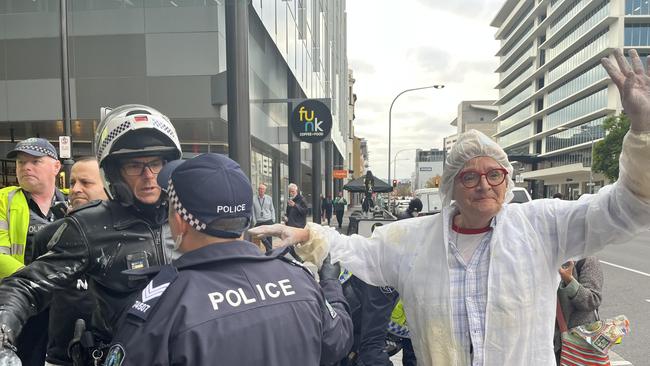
(529, 243)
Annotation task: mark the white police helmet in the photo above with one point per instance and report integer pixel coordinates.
(132, 130)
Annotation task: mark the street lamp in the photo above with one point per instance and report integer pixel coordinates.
(390, 113)
(395, 160)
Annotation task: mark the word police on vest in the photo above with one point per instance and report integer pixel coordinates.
(231, 209)
(237, 297)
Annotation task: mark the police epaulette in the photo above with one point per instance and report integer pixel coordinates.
(153, 291)
(297, 264)
(84, 206)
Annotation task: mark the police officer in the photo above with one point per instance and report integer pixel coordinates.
(223, 301)
(102, 239)
(25, 210)
(75, 302)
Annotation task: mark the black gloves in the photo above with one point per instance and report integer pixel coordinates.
(329, 271)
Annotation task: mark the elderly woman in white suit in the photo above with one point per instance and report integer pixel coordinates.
(478, 281)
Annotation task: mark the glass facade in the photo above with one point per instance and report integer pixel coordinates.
(567, 14)
(170, 55)
(589, 48)
(578, 156)
(521, 96)
(576, 110)
(515, 136)
(590, 131)
(637, 7)
(594, 74)
(515, 118)
(517, 82)
(637, 35)
(587, 22)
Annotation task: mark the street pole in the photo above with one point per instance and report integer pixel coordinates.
(65, 89)
(390, 113)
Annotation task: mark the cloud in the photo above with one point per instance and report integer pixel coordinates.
(466, 8)
(430, 59)
(361, 66)
(442, 67)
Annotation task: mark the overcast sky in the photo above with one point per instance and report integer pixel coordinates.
(397, 45)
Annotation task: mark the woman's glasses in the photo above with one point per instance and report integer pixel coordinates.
(471, 178)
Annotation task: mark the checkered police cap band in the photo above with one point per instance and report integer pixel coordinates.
(182, 211)
(30, 148)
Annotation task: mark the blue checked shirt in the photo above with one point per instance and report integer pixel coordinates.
(469, 284)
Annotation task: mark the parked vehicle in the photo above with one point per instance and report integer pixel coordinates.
(431, 203)
(521, 195)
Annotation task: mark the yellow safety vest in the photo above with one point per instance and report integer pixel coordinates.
(14, 223)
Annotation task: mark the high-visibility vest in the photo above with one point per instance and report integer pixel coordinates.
(14, 224)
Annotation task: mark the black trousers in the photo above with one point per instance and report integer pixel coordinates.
(32, 341)
(339, 217)
(267, 241)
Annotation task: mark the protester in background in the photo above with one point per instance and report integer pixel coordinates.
(327, 208)
(483, 259)
(414, 209)
(579, 295)
(25, 210)
(339, 207)
(296, 214)
(263, 212)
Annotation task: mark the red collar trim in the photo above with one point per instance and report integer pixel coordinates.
(460, 230)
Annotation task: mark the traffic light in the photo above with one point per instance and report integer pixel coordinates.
(394, 183)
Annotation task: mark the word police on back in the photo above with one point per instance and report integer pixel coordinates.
(236, 297)
(231, 209)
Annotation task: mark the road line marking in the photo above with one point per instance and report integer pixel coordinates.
(620, 363)
(647, 300)
(627, 269)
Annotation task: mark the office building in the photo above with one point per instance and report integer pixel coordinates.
(171, 55)
(553, 93)
(428, 164)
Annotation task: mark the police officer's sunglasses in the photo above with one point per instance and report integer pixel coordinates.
(472, 178)
(136, 168)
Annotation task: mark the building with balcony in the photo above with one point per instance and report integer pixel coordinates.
(553, 93)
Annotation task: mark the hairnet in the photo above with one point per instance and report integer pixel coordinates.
(469, 145)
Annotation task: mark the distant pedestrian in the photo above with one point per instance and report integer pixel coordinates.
(263, 212)
(339, 206)
(296, 214)
(327, 206)
(414, 209)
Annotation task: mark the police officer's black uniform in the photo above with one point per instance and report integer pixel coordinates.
(229, 302)
(225, 302)
(101, 239)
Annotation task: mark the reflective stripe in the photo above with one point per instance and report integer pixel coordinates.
(5, 250)
(17, 249)
(4, 225)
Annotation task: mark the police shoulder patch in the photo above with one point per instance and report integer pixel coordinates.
(115, 355)
(153, 291)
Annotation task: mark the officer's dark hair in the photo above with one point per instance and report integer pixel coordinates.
(233, 225)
